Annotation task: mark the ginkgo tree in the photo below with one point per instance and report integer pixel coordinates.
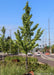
(25, 34)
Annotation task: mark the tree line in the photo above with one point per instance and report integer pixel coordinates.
(6, 43)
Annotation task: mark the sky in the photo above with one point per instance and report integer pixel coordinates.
(11, 13)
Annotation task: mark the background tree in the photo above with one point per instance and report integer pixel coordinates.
(46, 49)
(52, 48)
(3, 30)
(14, 47)
(7, 43)
(11, 47)
(25, 36)
(0, 45)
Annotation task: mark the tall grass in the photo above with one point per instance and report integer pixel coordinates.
(18, 68)
(12, 69)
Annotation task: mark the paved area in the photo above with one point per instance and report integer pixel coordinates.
(47, 57)
(51, 63)
(51, 56)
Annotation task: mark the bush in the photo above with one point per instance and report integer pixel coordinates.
(22, 59)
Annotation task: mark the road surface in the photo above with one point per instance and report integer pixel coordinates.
(49, 62)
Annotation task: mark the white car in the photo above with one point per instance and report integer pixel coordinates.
(30, 54)
(38, 54)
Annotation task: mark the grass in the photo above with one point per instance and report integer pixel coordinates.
(12, 68)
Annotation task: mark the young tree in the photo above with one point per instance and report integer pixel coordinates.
(25, 35)
(3, 38)
(7, 44)
(3, 31)
(14, 47)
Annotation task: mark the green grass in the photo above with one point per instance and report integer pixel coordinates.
(12, 68)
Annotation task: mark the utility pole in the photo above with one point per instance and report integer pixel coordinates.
(43, 41)
(49, 34)
(45, 36)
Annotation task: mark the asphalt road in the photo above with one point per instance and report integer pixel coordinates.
(49, 62)
(51, 56)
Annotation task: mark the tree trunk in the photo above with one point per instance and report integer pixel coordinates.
(26, 62)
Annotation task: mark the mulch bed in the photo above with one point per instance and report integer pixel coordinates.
(30, 73)
(15, 60)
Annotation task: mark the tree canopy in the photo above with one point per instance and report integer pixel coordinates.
(26, 32)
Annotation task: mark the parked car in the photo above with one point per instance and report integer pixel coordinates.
(38, 54)
(29, 54)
